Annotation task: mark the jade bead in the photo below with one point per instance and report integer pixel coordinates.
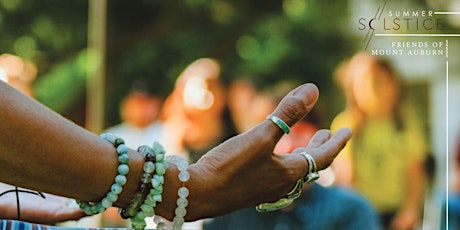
(160, 178)
(149, 167)
(161, 168)
(122, 149)
(158, 198)
(123, 158)
(116, 189)
(112, 196)
(120, 179)
(158, 148)
(106, 203)
(147, 209)
(123, 169)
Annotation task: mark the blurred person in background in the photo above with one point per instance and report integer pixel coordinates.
(19, 203)
(140, 112)
(384, 159)
(195, 113)
(320, 207)
(249, 104)
(18, 72)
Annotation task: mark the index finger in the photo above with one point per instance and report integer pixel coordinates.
(326, 153)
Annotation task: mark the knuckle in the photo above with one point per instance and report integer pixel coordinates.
(294, 110)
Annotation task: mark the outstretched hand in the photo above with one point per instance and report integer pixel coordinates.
(245, 171)
(33, 208)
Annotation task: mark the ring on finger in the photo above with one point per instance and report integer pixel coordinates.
(312, 174)
(280, 123)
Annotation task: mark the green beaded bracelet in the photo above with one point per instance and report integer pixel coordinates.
(120, 179)
(147, 209)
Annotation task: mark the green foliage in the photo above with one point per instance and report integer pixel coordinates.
(267, 41)
(63, 85)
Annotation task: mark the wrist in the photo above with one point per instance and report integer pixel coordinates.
(136, 162)
(171, 185)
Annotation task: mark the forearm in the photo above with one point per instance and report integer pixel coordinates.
(43, 151)
(416, 185)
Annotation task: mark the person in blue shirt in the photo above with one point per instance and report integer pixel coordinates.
(324, 208)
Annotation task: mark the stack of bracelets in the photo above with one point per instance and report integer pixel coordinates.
(150, 189)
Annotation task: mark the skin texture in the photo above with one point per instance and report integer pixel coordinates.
(49, 210)
(43, 151)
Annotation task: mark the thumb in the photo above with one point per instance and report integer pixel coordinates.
(293, 107)
(263, 137)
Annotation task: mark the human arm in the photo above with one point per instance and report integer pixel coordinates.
(41, 150)
(410, 212)
(408, 215)
(46, 209)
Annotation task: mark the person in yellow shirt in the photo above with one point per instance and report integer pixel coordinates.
(384, 160)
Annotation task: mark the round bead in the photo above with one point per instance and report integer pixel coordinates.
(180, 211)
(183, 192)
(122, 149)
(112, 196)
(118, 142)
(149, 167)
(151, 157)
(120, 179)
(106, 203)
(144, 150)
(123, 169)
(123, 159)
(182, 165)
(184, 176)
(99, 208)
(116, 189)
(179, 220)
(182, 202)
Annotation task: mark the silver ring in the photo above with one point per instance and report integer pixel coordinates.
(280, 123)
(312, 174)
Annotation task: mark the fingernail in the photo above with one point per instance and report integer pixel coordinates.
(346, 130)
(311, 92)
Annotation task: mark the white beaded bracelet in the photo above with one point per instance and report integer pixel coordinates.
(182, 192)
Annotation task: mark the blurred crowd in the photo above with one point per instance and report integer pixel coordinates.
(379, 181)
